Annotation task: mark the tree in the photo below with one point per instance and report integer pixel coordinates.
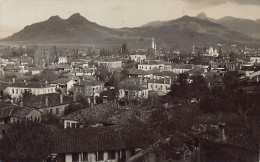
(27, 94)
(48, 75)
(103, 73)
(230, 80)
(26, 142)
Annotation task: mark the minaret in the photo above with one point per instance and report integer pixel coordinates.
(153, 43)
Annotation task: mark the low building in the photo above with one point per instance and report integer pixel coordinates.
(132, 89)
(63, 60)
(255, 59)
(88, 86)
(151, 65)
(16, 89)
(110, 63)
(138, 58)
(181, 68)
(11, 114)
(225, 66)
(163, 85)
(53, 104)
(64, 84)
(110, 144)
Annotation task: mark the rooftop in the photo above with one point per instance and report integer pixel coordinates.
(96, 139)
(15, 111)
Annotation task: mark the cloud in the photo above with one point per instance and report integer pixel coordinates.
(218, 2)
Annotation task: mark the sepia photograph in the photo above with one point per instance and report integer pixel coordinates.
(129, 80)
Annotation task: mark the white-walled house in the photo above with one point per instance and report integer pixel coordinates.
(163, 85)
(64, 84)
(54, 104)
(63, 60)
(181, 68)
(16, 89)
(96, 144)
(138, 58)
(132, 89)
(110, 64)
(12, 113)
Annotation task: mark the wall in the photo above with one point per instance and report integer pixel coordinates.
(69, 121)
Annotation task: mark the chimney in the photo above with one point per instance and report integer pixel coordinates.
(89, 101)
(46, 82)
(46, 101)
(74, 96)
(170, 80)
(10, 82)
(13, 79)
(141, 81)
(21, 101)
(94, 100)
(104, 99)
(61, 98)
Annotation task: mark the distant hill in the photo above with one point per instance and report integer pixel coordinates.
(189, 30)
(77, 29)
(74, 29)
(203, 16)
(258, 21)
(245, 26)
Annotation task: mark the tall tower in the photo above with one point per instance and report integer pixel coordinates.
(153, 43)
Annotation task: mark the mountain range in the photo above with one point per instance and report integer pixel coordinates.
(245, 26)
(199, 30)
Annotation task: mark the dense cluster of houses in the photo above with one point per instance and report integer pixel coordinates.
(105, 139)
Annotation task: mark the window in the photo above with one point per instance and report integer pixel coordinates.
(50, 111)
(13, 120)
(13, 91)
(100, 155)
(111, 155)
(85, 156)
(68, 125)
(73, 125)
(123, 155)
(75, 157)
(57, 110)
(16, 91)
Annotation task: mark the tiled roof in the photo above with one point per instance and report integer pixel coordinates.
(235, 137)
(236, 133)
(160, 81)
(3, 86)
(15, 111)
(95, 139)
(61, 81)
(182, 66)
(131, 84)
(166, 73)
(110, 113)
(39, 102)
(94, 113)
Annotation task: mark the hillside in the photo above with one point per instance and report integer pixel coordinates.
(77, 29)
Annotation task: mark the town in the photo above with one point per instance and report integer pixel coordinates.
(156, 82)
(186, 101)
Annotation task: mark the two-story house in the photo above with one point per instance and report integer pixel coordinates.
(16, 89)
(64, 84)
(132, 89)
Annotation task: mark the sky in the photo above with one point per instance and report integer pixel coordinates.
(16, 14)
